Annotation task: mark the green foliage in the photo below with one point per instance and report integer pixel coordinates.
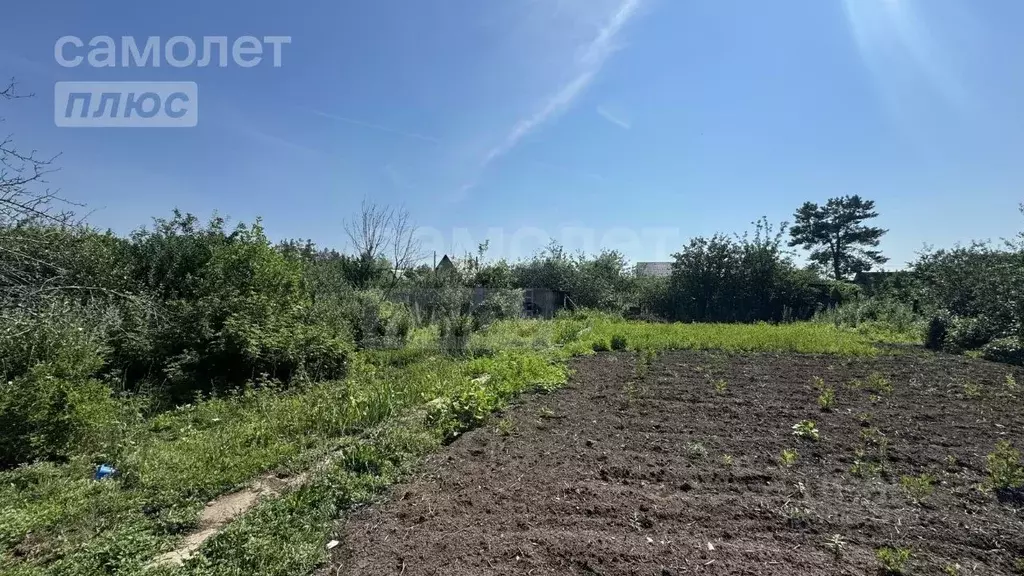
(789, 457)
(836, 235)
(879, 318)
(50, 415)
(966, 333)
(231, 308)
(936, 332)
(807, 430)
(618, 342)
(827, 399)
(498, 304)
(599, 282)
(746, 279)
(875, 382)
(837, 546)
(1006, 350)
(893, 560)
(455, 333)
(1005, 467)
(919, 488)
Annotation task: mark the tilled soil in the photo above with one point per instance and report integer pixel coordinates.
(653, 471)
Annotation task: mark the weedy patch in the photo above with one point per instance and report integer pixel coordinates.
(1010, 383)
(806, 429)
(837, 546)
(618, 342)
(727, 460)
(893, 560)
(1004, 467)
(797, 517)
(505, 427)
(827, 400)
(643, 363)
(919, 488)
(696, 451)
(789, 457)
(721, 386)
(873, 438)
(951, 569)
(863, 467)
(875, 382)
(952, 463)
(972, 390)
(632, 392)
(546, 413)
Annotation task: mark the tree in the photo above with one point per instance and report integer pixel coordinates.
(383, 232)
(33, 227)
(836, 235)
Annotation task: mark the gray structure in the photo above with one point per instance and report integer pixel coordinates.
(654, 269)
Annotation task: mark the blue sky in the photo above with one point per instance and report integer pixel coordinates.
(596, 122)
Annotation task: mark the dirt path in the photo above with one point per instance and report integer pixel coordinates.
(666, 476)
(219, 512)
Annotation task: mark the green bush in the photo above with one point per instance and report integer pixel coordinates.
(937, 331)
(1006, 350)
(749, 278)
(966, 333)
(455, 332)
(498, 304)
(619, 342)
(48, 416)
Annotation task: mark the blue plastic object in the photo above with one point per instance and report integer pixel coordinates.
(104, 471)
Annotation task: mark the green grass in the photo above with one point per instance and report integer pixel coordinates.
(576, 334)
(393, 407)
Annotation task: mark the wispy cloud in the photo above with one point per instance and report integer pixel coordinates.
(273, 140)
(604, 113)
(378, 127)
(592, 58)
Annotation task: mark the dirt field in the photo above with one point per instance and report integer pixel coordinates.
(655, 472)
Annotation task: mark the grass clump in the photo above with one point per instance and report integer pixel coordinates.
(893, 561)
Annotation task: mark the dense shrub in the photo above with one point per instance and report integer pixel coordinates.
(49, 415)
(744, 279)
(1006, 350)
(618, 342)
(978, 281)
(966, 333)
(498, 304)
(938, 329)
